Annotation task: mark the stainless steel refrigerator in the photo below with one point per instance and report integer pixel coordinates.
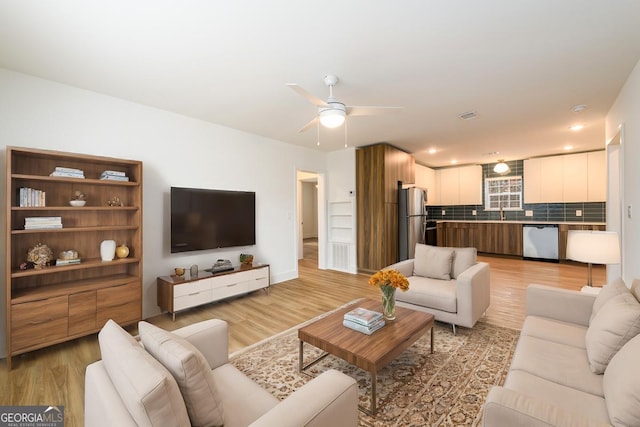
(412, 217)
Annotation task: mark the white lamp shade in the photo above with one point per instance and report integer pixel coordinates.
(332, 118)
(595, 247)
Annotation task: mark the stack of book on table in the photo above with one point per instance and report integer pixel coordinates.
(114, 175)
(363, 320)
(67, 172)
(36, 222)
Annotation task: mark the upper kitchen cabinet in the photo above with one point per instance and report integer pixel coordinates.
(566, 179)
(597, 176)
(426, 178)
(459, 186)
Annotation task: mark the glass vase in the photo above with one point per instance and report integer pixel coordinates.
(388, 302)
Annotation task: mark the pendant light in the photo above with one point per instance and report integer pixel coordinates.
(501, 167)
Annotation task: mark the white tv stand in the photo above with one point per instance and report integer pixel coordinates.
(179, 293)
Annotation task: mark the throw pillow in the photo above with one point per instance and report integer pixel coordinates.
(433, 262)
(463, 258)
(607, 292)
(147, 389)
(615, 324)
(621, 385)
(190, 370)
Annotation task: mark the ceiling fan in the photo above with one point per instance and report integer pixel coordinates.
(332, 113)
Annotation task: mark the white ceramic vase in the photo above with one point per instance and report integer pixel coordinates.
(108, 250)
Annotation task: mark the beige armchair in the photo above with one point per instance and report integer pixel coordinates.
(184, 378)
(449, 283)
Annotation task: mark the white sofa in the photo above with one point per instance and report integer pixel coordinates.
(449, 283)
(576, 361)
(183, 378)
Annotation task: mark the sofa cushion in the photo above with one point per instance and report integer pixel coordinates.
(463, 259)
(433, 262)
(567, 398)
(621, 385)
(147, 389)
(615, 324)
(556, 362)
(607, 292)
(554, 331)
(432, 293)
(190, 369)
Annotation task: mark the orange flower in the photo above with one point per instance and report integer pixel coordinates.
(389, 278)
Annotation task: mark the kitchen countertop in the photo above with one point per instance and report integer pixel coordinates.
(520, 222)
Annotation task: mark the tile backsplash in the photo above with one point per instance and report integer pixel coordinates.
(542, 212)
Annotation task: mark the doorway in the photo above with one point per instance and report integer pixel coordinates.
(310, 213)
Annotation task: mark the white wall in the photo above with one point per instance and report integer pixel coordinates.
(626, 111)
(175, 151)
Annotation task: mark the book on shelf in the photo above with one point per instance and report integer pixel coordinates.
(362, 328)
(41, 222)
(68, 261)
(113, 173)
(363, 316)
(67, 174)
(30, 198)
(114, 178)
(66, 169)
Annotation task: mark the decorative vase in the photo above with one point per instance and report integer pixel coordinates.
(107, 250)
(122, 251)
(388, 302)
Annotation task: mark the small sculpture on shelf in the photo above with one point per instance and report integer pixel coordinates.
(38, 257)
(115, 201)
(79, 199)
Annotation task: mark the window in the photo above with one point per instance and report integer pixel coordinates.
(503, 193)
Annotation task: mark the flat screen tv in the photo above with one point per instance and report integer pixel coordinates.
(211, 219)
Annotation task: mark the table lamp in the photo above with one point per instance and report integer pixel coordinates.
(593, 247)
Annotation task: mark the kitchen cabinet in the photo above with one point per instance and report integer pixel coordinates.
(597, 176)
(380, 169)
(459, 186)
(571, 178)
(500, 238)
(426, 178)
(458, 234)
(575, 178)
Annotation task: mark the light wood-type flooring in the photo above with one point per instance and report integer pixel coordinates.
(55, 375)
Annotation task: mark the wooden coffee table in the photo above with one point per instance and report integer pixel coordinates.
(368, 352)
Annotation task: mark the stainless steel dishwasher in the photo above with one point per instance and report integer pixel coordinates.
(540, 242)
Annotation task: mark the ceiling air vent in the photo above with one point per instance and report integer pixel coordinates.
(468, 115)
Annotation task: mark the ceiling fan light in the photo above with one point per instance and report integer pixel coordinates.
(501, 167)
(332, 118)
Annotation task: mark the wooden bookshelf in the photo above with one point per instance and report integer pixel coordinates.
(54, 304)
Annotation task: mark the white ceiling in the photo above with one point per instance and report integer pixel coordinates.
(521, 65)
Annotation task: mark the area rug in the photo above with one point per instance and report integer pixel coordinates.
(447, 388)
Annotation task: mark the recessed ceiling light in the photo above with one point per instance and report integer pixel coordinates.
(568, 147)
(453, 162)
(576, 128)
(432, 151)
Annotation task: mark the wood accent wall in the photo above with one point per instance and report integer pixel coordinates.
(379, 168)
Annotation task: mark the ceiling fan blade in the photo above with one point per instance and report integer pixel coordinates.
(371, 111)
(311, 98)
(312, 123)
